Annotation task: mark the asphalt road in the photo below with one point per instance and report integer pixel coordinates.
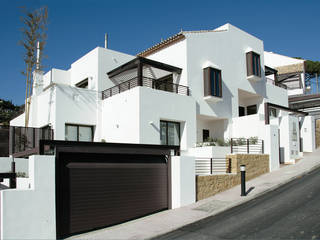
(289, 212)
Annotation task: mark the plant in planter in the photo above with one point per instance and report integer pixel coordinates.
(253, 140)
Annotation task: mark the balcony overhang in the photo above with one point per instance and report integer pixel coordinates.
(212, 99)
(254, 78)
(140, 61)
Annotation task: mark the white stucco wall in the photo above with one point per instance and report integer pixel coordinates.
(249, 126)
(289, 146)
(30, 214)
(134, 116)
(210, 151)
(271, 146)
(156, 105)
(307, 132)
(183, 181)
(120, 117)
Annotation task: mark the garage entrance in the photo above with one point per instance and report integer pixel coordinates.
(102, 184)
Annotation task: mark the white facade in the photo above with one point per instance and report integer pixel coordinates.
(134, 115)
(30, 213)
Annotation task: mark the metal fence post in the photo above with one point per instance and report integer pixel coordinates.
(13, 180)
(231, 145)
(243, 179)
(263, 146)
(248, 146)
(210, 165)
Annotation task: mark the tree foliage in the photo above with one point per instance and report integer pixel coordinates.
(8, 111)
(33, 32)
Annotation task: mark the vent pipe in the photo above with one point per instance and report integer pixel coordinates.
(106, 40)
(38, 56)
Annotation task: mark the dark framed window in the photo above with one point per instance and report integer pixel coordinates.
(170, 133)
(212, 82)
(81, 133)
(253, 64)
(251, 109)
(83, 84)
(241, 111)
(205, 135)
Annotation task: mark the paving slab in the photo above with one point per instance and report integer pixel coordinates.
(169, 220)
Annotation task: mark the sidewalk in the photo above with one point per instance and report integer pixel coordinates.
(167, 221)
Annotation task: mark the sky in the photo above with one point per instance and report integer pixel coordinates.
(77, 26)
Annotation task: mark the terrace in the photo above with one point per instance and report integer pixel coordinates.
(146, 73)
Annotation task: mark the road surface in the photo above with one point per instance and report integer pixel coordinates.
(289, 212)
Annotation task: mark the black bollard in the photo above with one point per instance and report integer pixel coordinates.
(243, 179)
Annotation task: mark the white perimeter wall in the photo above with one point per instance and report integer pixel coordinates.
(307, 132)
(30, 214)
(183, 181)
(271, 146)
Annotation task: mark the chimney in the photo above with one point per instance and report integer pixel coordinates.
(38, 56)
(37, 75)
(106, 40)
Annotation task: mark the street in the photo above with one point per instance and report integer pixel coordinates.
(289, 212)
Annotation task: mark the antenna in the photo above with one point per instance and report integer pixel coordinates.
(38, 56)
(106, 40)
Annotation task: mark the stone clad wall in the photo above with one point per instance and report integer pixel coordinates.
(209, 185)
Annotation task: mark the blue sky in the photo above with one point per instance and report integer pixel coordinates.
(77, 26)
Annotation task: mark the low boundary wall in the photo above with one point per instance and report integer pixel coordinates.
(256, 165)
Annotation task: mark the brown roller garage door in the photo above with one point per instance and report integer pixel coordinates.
(99, 190)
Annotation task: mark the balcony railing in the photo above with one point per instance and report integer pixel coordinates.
(24, 141)
(247, 146)
(146, 82)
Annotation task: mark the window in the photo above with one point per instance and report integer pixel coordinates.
(78, 133)
(273, 112)
(251, 109)
(241, 111)
(253, 64)
(82, 84)
(205, 135)
(170, 133)
(212, 82)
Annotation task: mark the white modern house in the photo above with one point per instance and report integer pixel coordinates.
(189, 89)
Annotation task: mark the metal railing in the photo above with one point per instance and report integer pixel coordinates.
(209, 166)
(247, 146)
(26, 139)
(146, 82)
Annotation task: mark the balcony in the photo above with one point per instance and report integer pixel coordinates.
(146, 82)
(25, 141)
(146, 73)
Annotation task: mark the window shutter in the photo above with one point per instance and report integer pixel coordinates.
(206, 82)
(249, 64)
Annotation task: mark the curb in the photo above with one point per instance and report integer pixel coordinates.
(233, 205)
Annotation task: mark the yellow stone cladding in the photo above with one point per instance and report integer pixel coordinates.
(209, 185)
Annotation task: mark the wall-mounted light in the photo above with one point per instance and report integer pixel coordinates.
(151, 122)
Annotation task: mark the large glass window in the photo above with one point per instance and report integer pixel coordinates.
(170, 133)
(253, 64)
(212, 82)
(251, 109)
(78, 133)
